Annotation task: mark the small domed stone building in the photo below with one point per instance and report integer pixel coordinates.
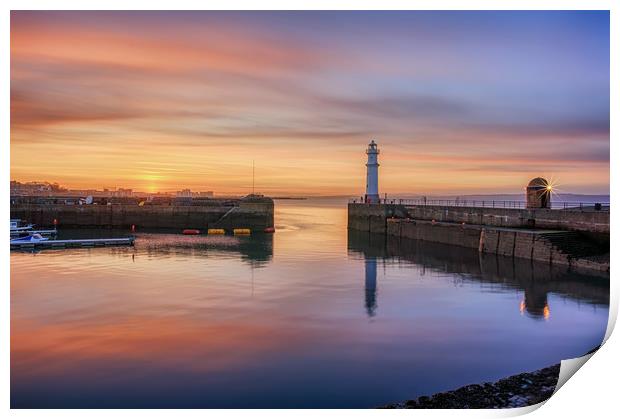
(538, 193)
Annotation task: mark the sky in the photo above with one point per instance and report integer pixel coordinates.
(459, 102)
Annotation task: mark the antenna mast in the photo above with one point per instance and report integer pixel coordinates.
(252, 177)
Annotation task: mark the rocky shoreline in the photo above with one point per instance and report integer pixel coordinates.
(516, 391)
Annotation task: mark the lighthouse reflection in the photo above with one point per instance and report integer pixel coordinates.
(370, 286)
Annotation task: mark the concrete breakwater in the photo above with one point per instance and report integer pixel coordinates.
(255, 213)
(579, 239)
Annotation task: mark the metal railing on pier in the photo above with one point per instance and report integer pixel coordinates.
(476, 203)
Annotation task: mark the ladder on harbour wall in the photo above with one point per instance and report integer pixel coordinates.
(225, 215)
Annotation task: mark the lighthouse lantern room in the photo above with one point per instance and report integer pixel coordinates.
(372, 174)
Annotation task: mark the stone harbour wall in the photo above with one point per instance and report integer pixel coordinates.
(588, 221)
(526, 244)
(571, 220)
(490, 234)
(253, 215)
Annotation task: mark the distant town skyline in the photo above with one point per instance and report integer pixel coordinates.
(43, 188)
(54, 188)
(459, 102)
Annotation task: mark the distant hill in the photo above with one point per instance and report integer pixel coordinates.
(565, 197)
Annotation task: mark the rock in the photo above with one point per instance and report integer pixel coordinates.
(516, 391)
(411, 404)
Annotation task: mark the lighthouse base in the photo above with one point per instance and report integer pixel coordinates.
(372, 199)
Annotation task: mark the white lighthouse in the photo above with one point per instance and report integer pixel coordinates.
(372, 174)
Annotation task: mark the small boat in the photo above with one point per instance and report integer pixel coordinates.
(22, 233)
(19, 230)
(33, 238)
(16, 226)
(191, 232)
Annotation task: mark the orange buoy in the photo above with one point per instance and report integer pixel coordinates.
(269, 230)
(191, 231)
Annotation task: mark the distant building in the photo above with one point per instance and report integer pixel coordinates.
(184, 193)
(187, 193)
(123, 193)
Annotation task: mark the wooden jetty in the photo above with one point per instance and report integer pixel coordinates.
(63, 244)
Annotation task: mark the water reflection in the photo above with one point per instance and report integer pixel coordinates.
(534, 301)
(535, 280)
(370, 266)
(283, 321)
(256, 249)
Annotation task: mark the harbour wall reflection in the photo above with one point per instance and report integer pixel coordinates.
(255, 249)
(536, 280)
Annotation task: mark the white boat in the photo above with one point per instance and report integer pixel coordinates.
(16, 226)
(18, 230)
(33, 238)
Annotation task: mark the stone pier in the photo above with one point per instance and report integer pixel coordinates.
(253, 213)
(579, 239)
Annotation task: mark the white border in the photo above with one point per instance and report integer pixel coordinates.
(592, 393)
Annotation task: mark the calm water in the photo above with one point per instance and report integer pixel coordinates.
(309, 317)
